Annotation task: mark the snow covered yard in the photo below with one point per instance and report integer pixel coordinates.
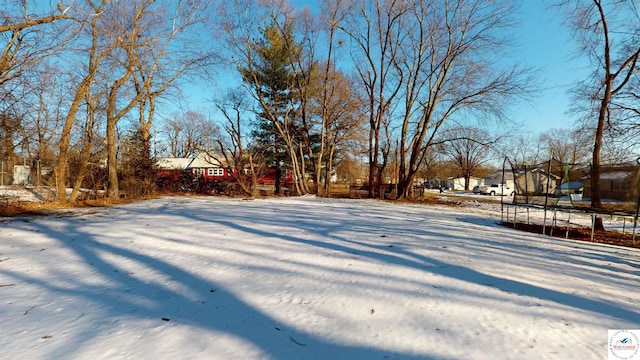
(304, 278)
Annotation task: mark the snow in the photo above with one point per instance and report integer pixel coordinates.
(304, 278)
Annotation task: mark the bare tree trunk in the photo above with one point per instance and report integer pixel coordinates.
(85, 153)
(112, 119)
(62, 166)
(373, 162)
(95, 57)
(329, 172)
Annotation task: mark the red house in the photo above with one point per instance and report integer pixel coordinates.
(268, 176)
(208, 167)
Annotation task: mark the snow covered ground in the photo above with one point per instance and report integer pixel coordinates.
(304, 278)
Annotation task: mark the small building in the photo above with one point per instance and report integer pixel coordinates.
(619, 183)
(457, 183)
(499, 177)
(22, 175)
(535, 181)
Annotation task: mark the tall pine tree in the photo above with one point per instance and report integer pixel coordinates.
(271, 77)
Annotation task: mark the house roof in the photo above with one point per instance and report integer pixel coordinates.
(571, 185)
(615, 175)
(204, 161)
(535, 170)
(508, 174)
(462, 178)
(173, 163)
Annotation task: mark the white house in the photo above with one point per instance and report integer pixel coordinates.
(499, 177)
(457, 183)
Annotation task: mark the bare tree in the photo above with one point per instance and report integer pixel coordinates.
(607, 34)
(339, 102)
(468, 149)
(372, 29)
(9, 134)
(94, 49)
(94, 109)
(43, 103)
(425, 62)
(166, 53)
(566, 146)
(522, 150)
(343, 120)
(179, 144)
(447, 69)
(142, 62)
(188, 133)
(27, 38)
(232, 148)
(624, 131)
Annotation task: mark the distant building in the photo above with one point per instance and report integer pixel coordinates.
(616, 183)
(499, 177)
(201, 165)
(535, 181)
(208, 166)
(457, 183)
(22, 175)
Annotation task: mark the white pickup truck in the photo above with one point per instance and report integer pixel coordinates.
(494, 189)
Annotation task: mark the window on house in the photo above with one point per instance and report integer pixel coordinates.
(215, 172)
(619, 186)
(197, 171)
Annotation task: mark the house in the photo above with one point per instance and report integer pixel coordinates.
(201, 165)
(268, 176)
(525, 181)
(499, 177)
(208, 167)
(535, 181)
(457, 183)
(451, 183)
(618, 183)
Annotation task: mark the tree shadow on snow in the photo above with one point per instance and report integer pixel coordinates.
(218, 309)
(401, 257)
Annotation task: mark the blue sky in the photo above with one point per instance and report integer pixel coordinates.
(545, 44)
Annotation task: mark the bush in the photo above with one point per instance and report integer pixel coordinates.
(185, 182)
(224, 186)
(134, 187)
(176, 182)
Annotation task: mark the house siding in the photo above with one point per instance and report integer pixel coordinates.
(619, 183)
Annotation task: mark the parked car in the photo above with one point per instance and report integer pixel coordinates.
(494, 189)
